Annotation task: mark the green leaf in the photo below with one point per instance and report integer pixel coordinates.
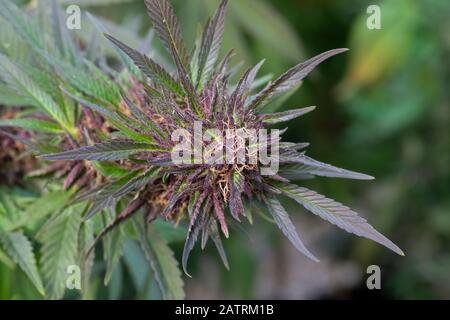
(32, 124)
(149, 67)
(85, 259)
(283, 221)
(59, 240)
(22, 24)
(26, 85)
(166, 25)
(44, 206)
(210, 45)
(20, 250)
(110, 169)
(117, 119)
(113, 250)
(337, 214)
(137, 182)
(104, 151)
(162, 262)
(278, 117)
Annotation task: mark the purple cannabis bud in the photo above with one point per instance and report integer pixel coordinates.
(197, 147)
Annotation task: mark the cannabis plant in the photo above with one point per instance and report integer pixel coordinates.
(209, 196)
(108, 142)
(40, 63)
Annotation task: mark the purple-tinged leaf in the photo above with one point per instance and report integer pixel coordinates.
(236, 204)
(215, 236)
(305, 165)
(166, 25)
(240, 93)
(290, 79)
(131, 209)
(220, 215)
(149, 67)
(191, 239)
(73, 175)
(337, 214)
(137, 182)
(104, 151)
(210, 45)
(278, 117)
(283, 221)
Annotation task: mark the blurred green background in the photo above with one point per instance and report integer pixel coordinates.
(383, 109)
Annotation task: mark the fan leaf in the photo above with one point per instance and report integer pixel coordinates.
(19, 248)
(290, 79)
(149, 67)
(283, 221)
(278, 117)
(105, 151)
(162, 262)
(309, 166)
(59, 238)
(210, 45)
(166, 25)
(337, 214)
(26, 85)
(32, 124)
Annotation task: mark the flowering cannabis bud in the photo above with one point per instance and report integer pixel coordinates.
(221, 177)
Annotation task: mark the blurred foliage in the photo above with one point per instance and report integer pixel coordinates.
(385, 111)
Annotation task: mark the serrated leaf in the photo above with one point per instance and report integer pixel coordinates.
(117, 119)
(20, 79)
(236, 205)
(162, 262)
(337, 214)
(22, 24)
(104, 151)
(46, 205)
(59, 240)
(137, 182)
(86, 260)
(110, 169)
(112, 250)
(283, 221)
(19, 248)
(191, 239)
(210, 45)
(278, 117)
(244, 85)
(149, 67)
(309, 166)
(213, 232)
(32, 124)
(104, 195)
(290, 79)
(166, 25)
